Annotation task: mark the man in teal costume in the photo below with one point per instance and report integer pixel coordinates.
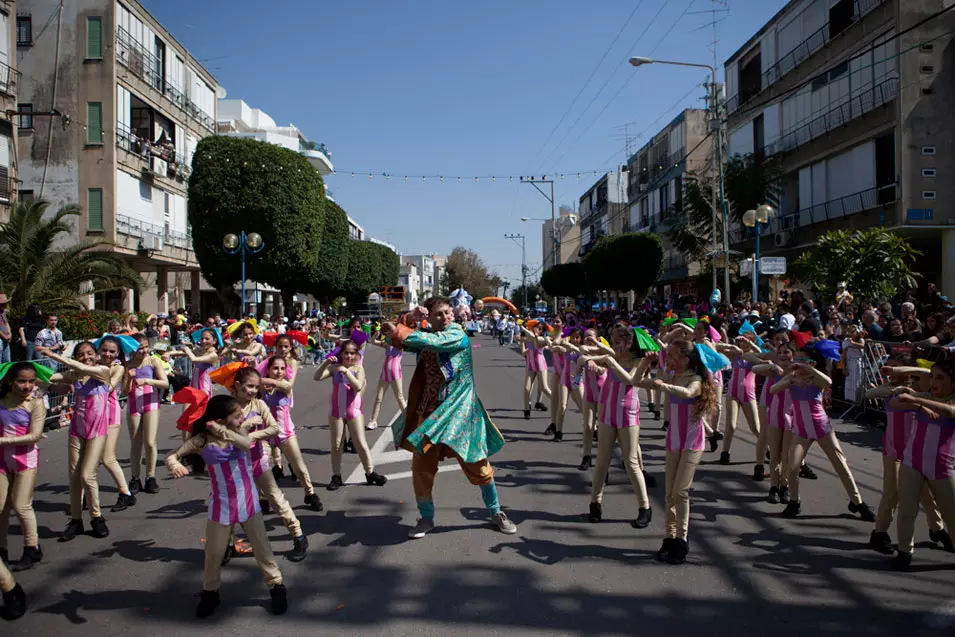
(444, 417)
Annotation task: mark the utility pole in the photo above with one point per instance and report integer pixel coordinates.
(555, 233)
(515, 238)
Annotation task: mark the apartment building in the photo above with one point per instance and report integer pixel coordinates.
(409, 276)
(603, 209)
(566, 232)
(10, 36)
(137, 103)
(657, 176)
(852, 99)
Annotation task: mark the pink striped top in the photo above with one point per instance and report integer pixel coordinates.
(346, 402)
(234, 498)
(280, 404)
(594, 384)
(260, 459)
(200, 377)
(765, 398)
(686, 431)
(619, 403)
(535, 358)
(930, 449)
(14, 459)
(780, 407)
(899, 427)
(569, 377)
(810, 420)
(90, 410)
(558, 358)
(391, 370)
(145, 398)
(742, 381)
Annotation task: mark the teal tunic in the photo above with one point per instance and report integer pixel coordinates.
(460, 421)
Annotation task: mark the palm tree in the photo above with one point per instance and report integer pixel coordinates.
(35, 270)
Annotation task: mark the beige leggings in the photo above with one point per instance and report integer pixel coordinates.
(577, 393)
(779, 443)
(910, 488)
(217, 540)
(711, 423)
(629, 438)
(16, 494)
(681, 467)
(890, 499)
(356, 428)
(752, 419)
(830, 446)
(143, 432)
(6, 578)
(380, 397)
(590, 424)
(295, 461)
(279, 503)
(110, 461)
(84, 459)
(541, 379)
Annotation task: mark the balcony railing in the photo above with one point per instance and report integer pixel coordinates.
(176, 164)
(9, 79)
(146, 67)
(149, 233)
(837, 116)
(798, 55)
(675, 267)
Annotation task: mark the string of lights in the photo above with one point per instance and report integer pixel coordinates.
(580, 174)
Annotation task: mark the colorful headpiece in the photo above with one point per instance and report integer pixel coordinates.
(195, 336)
(235, 327)
(645, 341)
(225, 375)
(801, 339)
(713, 361)
(128, 343)
(263, 368)
(43, 373)
(829, 349)
(195, 401)
(748, 327)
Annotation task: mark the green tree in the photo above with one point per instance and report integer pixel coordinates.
(364, 270)
(565, 279)
(332, 268)
(873, 262)
(624, 262)
(534, 290)
(241, 184)
(390, 264)
(35, 270)
(465, 269)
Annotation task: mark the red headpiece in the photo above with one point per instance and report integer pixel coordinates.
(802, 338)
(195, 401)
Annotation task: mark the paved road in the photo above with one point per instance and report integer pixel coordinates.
(749, 571)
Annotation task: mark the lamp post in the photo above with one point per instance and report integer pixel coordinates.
(756, 219)
(553, 209)
(716, 128)
(241, 244)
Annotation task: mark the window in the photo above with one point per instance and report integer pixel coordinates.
(927, 48)
(25, 119)
(928, 194)
(929, 172)
(840, 17)
(927, 69)
(927, 90)
(26, 196)
(94, 38)
(24, 30)
(94, 208)
(94, 122)
(145, 191)
(928, 150)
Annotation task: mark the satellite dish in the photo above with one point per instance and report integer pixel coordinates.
(220, 92)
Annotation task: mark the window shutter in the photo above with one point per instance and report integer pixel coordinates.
(94, 123)
(94, 208)
(94, 37)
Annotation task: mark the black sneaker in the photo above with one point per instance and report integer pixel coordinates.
(666, 425)
(349, 447)
(942, 537)
(881, 542)
(792, 509)
(725, 457)
(540, 407)
(32, 555)
(73, 528)
(291, 475)
(208, 603)
(230, 552)
(527, 414)
(902, 561)
(558, 436)
(784, 495)
(376, 479)
(714, 443)
(551, 428)
(14, 603)
(651, 407)
(773, 495)
(585, 464)
(135, 486)
(664, 553)
(336, 483)
(678, 551)
(299, 549)
(151, 485)
(643, 518)
(649, 480)
(279, 599)
(264, 505)
(98, 528)
(596, 438)
(656, 416)
(806, 472)
(596, 512)
(313, 502)
(759, 473)
(123, 502)
(866, 514)
(277, 472)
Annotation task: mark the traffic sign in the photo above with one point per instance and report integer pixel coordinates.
(772, 265)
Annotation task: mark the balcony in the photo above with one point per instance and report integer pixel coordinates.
(170, 164)
(675, 267)
(803, 51)
(147, 67)
(152, 236)
(9, 79)
(319, 159)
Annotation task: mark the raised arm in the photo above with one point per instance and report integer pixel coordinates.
(99, 372)
(452, 339)
(692, 390)
(816, 377)
(323, 372)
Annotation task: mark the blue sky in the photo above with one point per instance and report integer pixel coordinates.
(461, 89)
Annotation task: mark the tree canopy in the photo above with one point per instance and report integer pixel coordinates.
(332, 268)
(465, 269)
(624, 262)
(565, 279)
(241, 184)
(364, 270)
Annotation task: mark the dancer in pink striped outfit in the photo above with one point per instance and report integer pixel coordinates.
(244, 347)
(742, 395)
(594, 378)
(570, 383)
(92, 379)
(778, 423)
(555, 338)
(284, 349)
(204, 357)
(620, 420)
(217, 438)
(690, 398)
(805, 384)
(345, 410)
(929, 456)
(112, 351)
(278, 397)
(390, 378)
(532, 346)
(144, 383)
(22, 415)
(900, 426)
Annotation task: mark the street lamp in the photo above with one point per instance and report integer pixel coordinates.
(241, 244)
(716, 126)
(756, 219)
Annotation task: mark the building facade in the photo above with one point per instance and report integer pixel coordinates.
(857, 116)
(410, 278)
(137, 103)
(566, 232)
(13, 31)
(603, 209)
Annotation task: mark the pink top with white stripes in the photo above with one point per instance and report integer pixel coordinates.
(899, 427)
(143, 398)
(200, 377)
(280, 404)
(810, 420)
(594, 384)
(780, 407)
(686, 431)
(391, 370)
(90, 410)
(346, 402)
(569, 377)
(930, 448)
(619, 403)
(535, 358)
(234, 498)
(558, 358)
(742, 381)
(14, 459)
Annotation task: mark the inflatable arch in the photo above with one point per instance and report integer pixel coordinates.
(496, 300)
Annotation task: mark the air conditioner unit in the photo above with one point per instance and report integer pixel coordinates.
(155, 242)
(783, 238)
